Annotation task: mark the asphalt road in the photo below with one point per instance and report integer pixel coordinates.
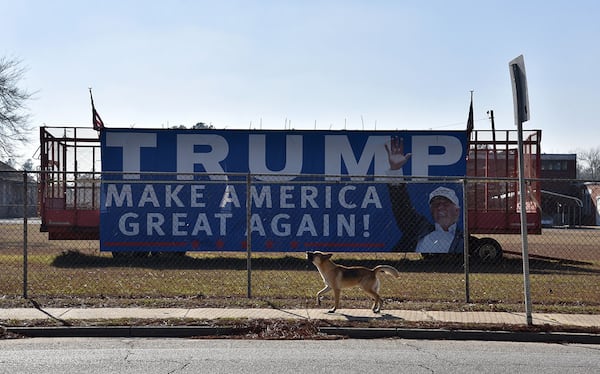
(151, 356)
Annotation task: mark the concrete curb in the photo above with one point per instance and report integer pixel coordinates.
(121, 331)
(445, 334)
(443, 324)
(354, 333)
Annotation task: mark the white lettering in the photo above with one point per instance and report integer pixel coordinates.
(127, 228)
(202, 225)
(148, 196)
(285, 194)
(223, 222)
(278, 229)
(328, 197)
(338, 151)
(281, 225)
(256, 225)
(131, 145)
(264, 198)
(171, 195)
(230, 197)
(196, 195)
(306, 225)
(422, 158)
(257, 158)
(154, 222)
(343, 224)
(308, 196)
(118, 198)
(178, 223)
(325, 224)
(342, 197)
(371, 197)
(188, 156)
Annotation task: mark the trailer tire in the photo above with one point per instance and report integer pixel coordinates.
(486, 250)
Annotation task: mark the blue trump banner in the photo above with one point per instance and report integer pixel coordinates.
(205, 190)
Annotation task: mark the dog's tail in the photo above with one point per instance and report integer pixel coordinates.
(387, 269)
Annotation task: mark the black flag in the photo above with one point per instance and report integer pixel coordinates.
(470, 123)
(96, 120)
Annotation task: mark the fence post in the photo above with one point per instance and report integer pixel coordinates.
(466, 248)
(25, 210)
(248, 237)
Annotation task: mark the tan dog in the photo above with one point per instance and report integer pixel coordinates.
(337, 277)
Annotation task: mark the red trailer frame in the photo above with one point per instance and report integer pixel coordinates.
(493, 189)
(69, 189)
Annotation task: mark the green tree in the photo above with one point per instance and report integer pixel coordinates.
(14, 118)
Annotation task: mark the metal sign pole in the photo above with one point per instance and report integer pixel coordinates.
(521, 108)
(524, 243)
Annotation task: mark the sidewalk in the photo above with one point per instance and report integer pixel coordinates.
(495, 318)
(502, 326)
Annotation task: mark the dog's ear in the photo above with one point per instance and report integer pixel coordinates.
(327, 255)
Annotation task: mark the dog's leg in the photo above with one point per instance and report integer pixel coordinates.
(377, 304)
(326, 289)
(373, 292)
(376, 300)
(336, 297)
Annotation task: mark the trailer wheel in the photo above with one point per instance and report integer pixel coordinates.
(487, 250)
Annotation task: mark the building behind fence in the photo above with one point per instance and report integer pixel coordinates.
(12, 193)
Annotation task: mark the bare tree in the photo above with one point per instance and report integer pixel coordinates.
(588, 166)
(14, 119)
(28, 165)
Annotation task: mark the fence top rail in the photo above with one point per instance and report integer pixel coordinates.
(267, 178)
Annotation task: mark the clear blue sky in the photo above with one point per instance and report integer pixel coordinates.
(236, 64)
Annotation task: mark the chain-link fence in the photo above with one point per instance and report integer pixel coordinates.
(169, 241)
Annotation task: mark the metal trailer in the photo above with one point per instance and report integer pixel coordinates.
(493, 188)
(69, 186)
